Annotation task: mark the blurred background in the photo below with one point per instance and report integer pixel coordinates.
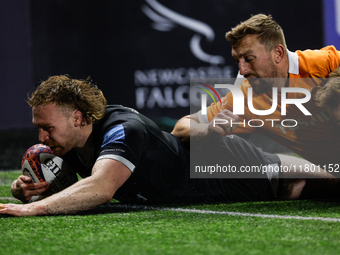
(141, 53)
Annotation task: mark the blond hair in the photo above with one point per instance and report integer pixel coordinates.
(269, 32)
(71, 94)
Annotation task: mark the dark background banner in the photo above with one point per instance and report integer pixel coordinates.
(331, 21)
(142, 54)
(139, 52)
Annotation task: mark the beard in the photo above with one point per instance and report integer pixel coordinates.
(260, 85)
(265, 82)
(57, 149)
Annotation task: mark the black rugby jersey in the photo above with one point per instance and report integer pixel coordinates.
(159, 163)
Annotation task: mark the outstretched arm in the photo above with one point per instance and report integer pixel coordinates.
(189, 127)
(107, 177)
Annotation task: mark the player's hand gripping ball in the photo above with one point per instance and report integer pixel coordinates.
(41, 164)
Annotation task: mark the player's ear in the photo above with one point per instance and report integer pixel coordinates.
(279, 53)
(78, 118)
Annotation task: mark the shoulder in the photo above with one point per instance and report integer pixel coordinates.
(117, 115)
(318, 63)
(115, 112)
(119, 124)
(325, 52)
(121, 135)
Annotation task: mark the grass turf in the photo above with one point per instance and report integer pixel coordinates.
(109, 229)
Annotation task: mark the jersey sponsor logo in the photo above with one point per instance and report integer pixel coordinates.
(114, 135)
(113, 151)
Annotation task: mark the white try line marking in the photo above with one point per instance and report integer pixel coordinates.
(9, 198)
(251, 214)
(259, 215)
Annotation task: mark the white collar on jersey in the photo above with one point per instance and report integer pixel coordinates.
(293, 60)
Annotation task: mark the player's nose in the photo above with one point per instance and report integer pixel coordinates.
(243, 67)
(43, 135)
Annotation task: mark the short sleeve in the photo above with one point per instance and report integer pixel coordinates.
(125, 143)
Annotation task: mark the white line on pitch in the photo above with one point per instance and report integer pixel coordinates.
(273, 216)
(8, 198)
(249, 214)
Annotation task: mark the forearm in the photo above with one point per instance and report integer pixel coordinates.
(107, 177)
(78, 197)
(81, 196)
(187, 128)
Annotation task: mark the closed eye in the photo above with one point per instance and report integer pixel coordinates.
(248, 59)
(46, 128)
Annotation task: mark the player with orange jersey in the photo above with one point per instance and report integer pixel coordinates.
(269, 68)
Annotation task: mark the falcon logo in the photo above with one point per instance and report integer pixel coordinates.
(165, 20)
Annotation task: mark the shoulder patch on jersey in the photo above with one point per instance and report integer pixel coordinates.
(113, 135)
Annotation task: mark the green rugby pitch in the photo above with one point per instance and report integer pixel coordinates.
(279, 227)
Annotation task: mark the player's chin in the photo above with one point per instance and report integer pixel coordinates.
(254, 82)
(260, 88)
(58, 150)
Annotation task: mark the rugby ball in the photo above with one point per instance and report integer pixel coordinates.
(41, 164)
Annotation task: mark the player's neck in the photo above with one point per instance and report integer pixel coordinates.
(84, 153)
(283, 75)
(85, 142)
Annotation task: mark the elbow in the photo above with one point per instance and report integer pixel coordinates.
(107, 199)
(110, 193)
(106, 195)
(182, 129)
(175, 129)
(175, 132)
(103, 197)
(179, 132)
(100, 198)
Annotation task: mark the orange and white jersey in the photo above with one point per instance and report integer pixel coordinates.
(313, 137)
